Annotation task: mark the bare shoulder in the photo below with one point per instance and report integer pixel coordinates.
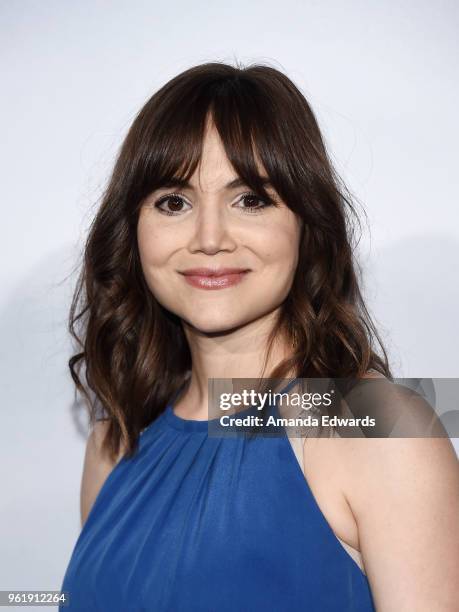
(404, 494)
(96, 468)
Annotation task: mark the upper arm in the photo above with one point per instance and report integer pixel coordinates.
(97, 466)
(405, 498)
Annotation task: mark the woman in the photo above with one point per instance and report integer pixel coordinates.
(223, 249)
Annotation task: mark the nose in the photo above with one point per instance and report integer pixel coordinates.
(212, 230)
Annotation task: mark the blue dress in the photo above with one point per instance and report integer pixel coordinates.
(195, 523)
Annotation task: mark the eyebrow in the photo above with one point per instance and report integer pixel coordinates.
(237, 182)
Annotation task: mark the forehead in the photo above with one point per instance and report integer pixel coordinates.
(194, 185)
(214, 170)
(204, 161)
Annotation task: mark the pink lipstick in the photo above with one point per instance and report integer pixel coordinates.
(209, 278)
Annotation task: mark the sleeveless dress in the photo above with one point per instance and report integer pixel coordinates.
(195, 523)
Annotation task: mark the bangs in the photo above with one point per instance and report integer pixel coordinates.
(172, 130)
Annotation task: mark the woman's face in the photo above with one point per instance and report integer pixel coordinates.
(210, 224)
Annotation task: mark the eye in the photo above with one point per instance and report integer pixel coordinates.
(251, 204)
(173, 201)
(252, 200)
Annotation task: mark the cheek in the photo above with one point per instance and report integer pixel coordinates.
(153, 253)
(278, 246)
(154, 247)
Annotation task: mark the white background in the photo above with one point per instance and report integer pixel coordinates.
(381, 77)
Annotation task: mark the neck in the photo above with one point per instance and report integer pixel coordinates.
(238, 353)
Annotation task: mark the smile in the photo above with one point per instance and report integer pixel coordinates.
(202, 281)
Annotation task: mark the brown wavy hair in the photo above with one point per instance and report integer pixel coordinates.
(134, 351)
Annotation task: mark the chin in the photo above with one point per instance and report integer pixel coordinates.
(214, 322)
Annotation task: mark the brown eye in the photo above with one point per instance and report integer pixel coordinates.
(174, 204)
(251, 203)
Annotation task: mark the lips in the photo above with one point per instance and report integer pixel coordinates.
(213, 271)
(214, 278)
